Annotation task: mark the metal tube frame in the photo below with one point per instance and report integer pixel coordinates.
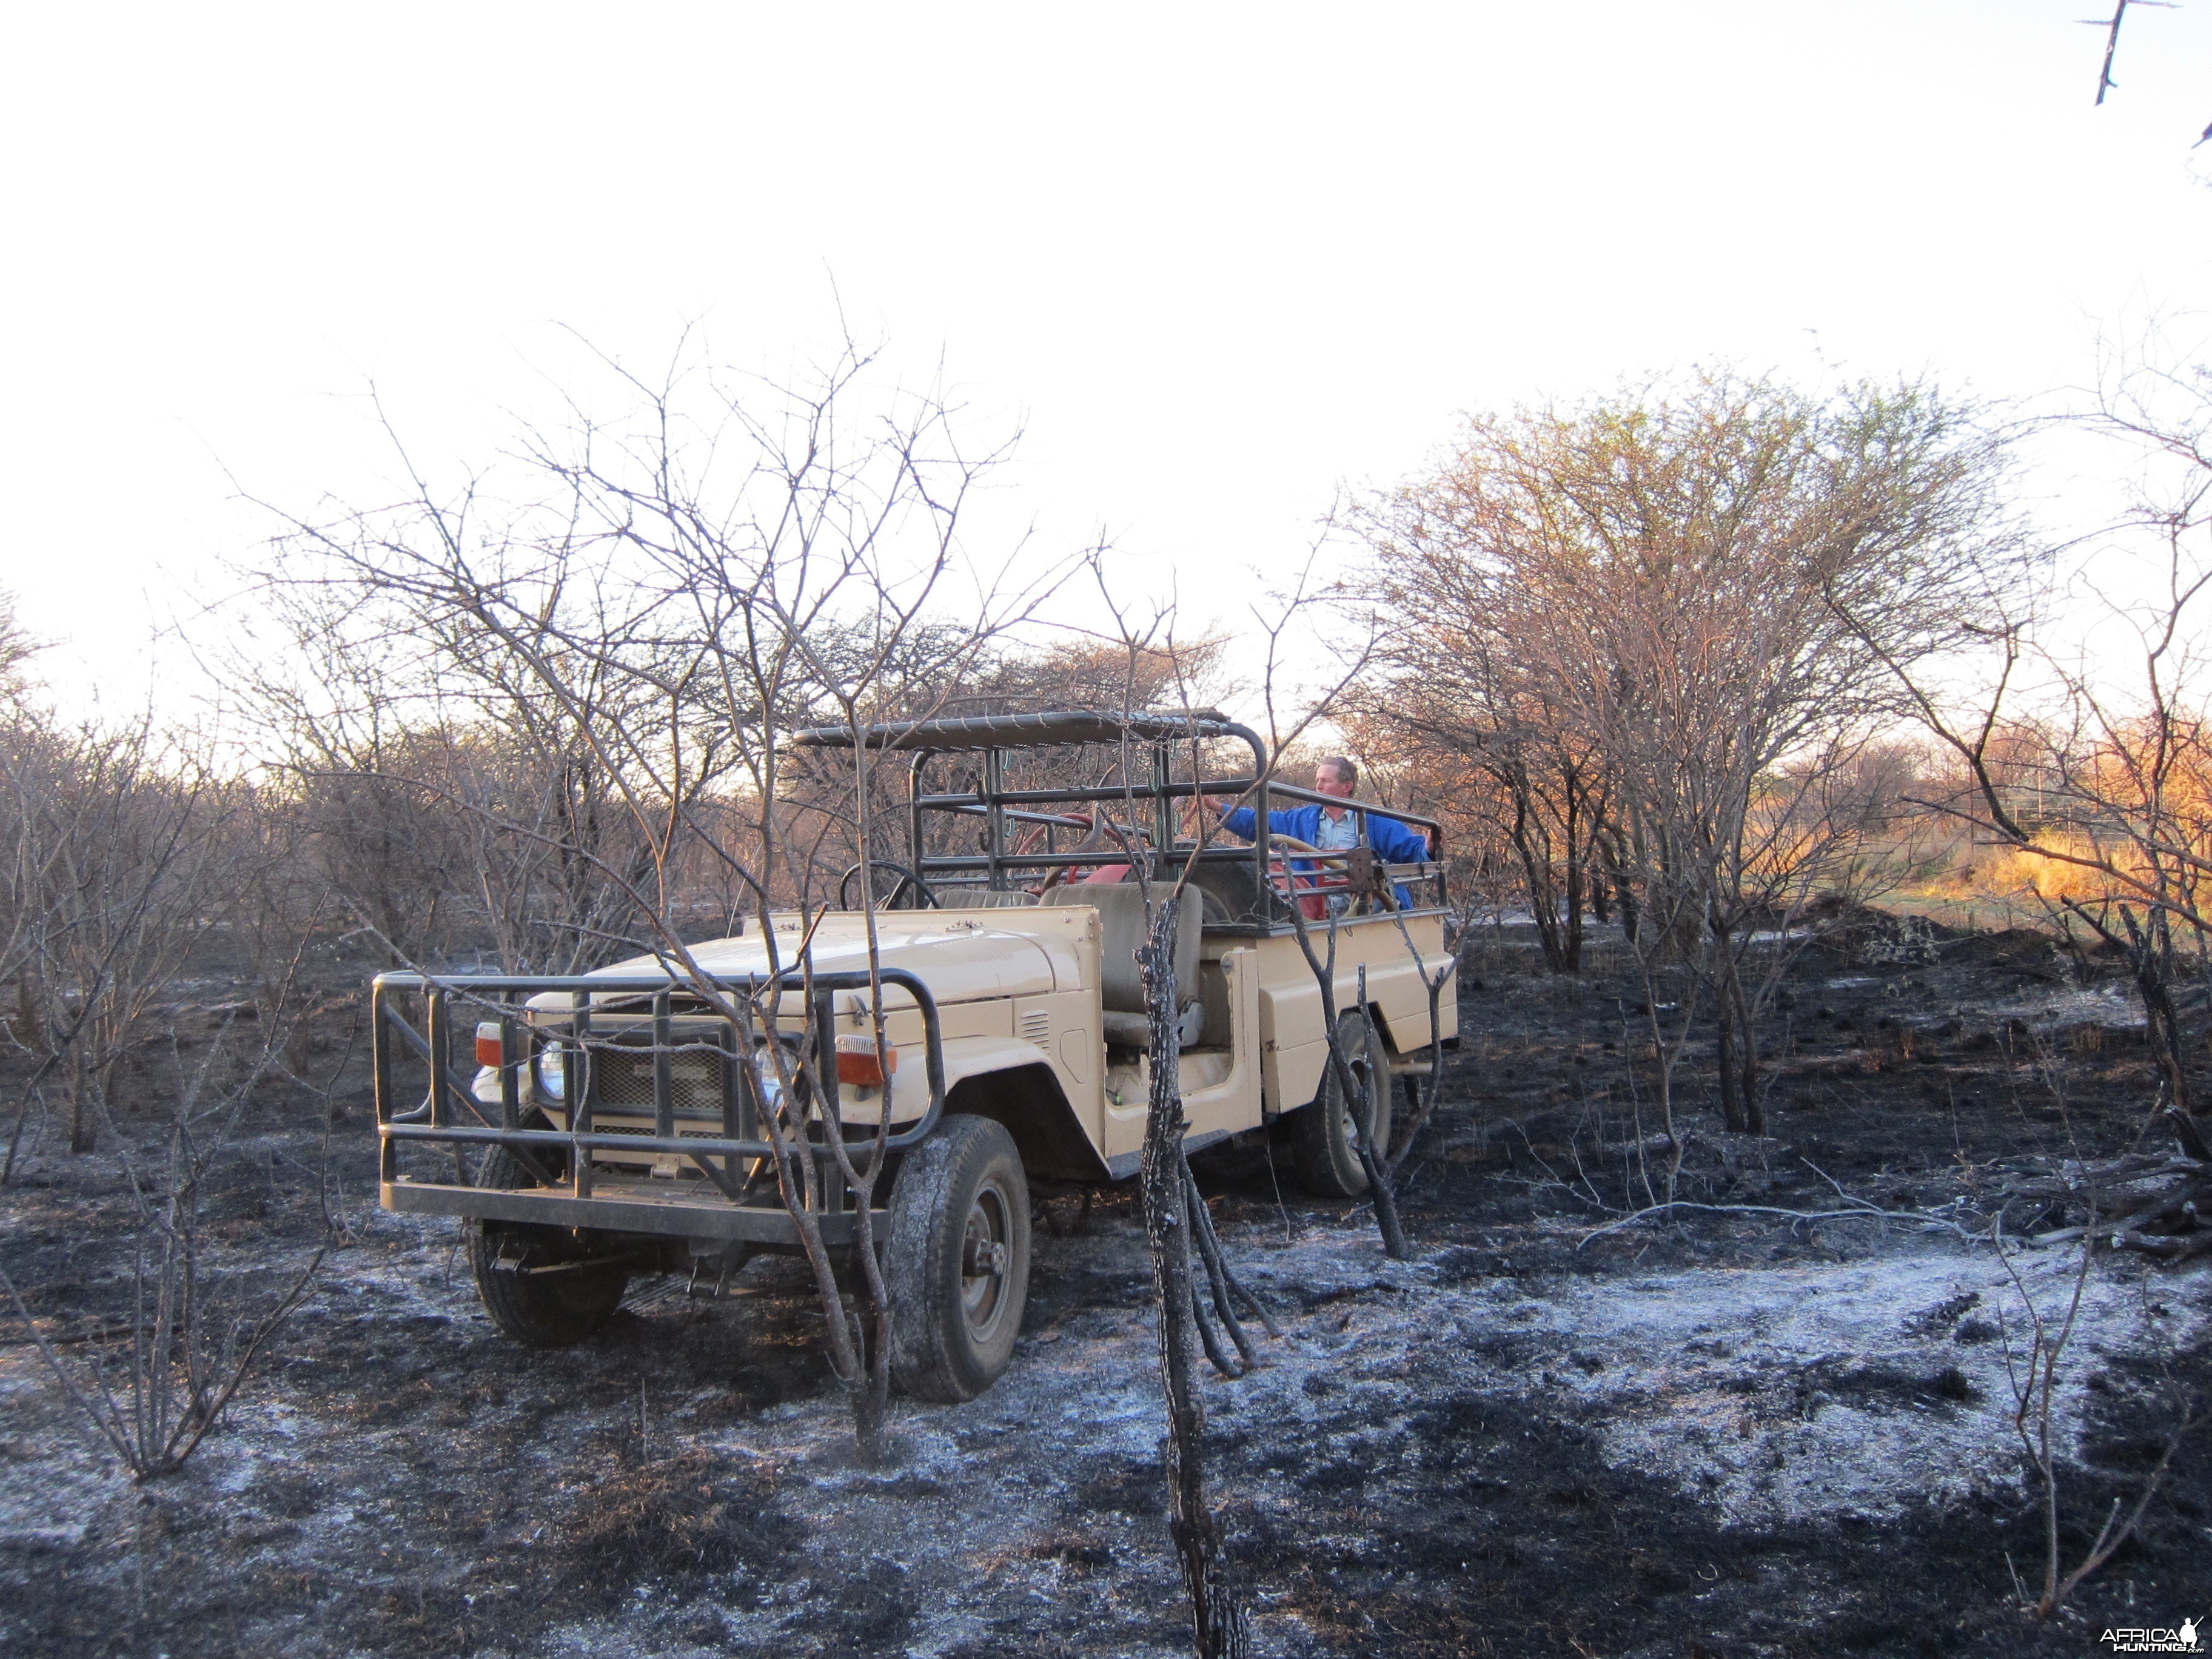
(999, 805)
(433, 1120)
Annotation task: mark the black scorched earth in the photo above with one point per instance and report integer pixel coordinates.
(1731, 1433)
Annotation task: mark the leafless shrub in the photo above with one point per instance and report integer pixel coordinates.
(448, 799)
(17, 648)
(1172, 1207)
(155, 1400)
(1195, 1312)
(1191, 1313)
(2036, 1376)
(120, 864)
(2104, 793)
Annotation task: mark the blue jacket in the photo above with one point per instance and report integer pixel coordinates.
(1392, 842)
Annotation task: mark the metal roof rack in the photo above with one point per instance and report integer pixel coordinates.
(1024, 820)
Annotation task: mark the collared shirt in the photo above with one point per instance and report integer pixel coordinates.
(1335, 835)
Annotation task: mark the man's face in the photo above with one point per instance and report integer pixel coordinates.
(1328, 781)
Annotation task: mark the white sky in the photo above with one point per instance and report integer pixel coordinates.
(1214, 259)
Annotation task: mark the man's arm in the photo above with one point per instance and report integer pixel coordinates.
(1236, 821)
(1396, 843)
(1242, 821)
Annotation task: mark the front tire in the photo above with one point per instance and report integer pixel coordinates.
(538, 1309)
(1322, 1134)
(956, 1264)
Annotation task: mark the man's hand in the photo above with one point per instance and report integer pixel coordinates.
(1219, 806)
(1195, 808)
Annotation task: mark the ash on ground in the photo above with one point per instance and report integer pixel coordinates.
(1728, 1431)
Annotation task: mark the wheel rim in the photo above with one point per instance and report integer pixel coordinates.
(985, 1247)
(1360, 1065)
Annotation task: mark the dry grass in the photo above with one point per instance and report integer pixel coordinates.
(686, 1517)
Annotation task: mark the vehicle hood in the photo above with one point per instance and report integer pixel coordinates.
(961, 957)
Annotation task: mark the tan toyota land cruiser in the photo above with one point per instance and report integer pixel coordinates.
(620, 1137)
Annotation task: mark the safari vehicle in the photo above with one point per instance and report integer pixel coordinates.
(621, 1135)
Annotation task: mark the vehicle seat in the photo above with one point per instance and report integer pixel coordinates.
(1121, 934)
(980, 898)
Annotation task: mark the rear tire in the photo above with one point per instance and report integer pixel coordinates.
(956, 1264)
(540, 1311)
(1322, 1135)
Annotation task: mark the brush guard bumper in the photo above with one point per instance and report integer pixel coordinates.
(736, 1201)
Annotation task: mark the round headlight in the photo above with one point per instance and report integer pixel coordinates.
(552, 1075)
(771, 1091)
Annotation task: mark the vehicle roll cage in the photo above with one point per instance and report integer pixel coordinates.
(1002, 866)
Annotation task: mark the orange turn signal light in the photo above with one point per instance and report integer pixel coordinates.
(857, 1063)
(490, 1049)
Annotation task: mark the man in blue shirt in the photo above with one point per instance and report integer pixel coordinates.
(1333, 829)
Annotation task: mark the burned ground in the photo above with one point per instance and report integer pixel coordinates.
(1730, 1432)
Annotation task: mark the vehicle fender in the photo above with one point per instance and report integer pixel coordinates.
(979, 1056)
(1407, 1037)
(1012, 1082)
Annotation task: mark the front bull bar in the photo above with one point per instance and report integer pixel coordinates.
(574, 1203)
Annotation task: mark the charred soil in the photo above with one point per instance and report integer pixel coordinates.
(1764, 1427)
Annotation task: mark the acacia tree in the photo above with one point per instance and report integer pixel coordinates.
(1654, 586)
(1458, 702)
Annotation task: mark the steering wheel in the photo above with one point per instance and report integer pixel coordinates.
(908, 883)
(1293, 844)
